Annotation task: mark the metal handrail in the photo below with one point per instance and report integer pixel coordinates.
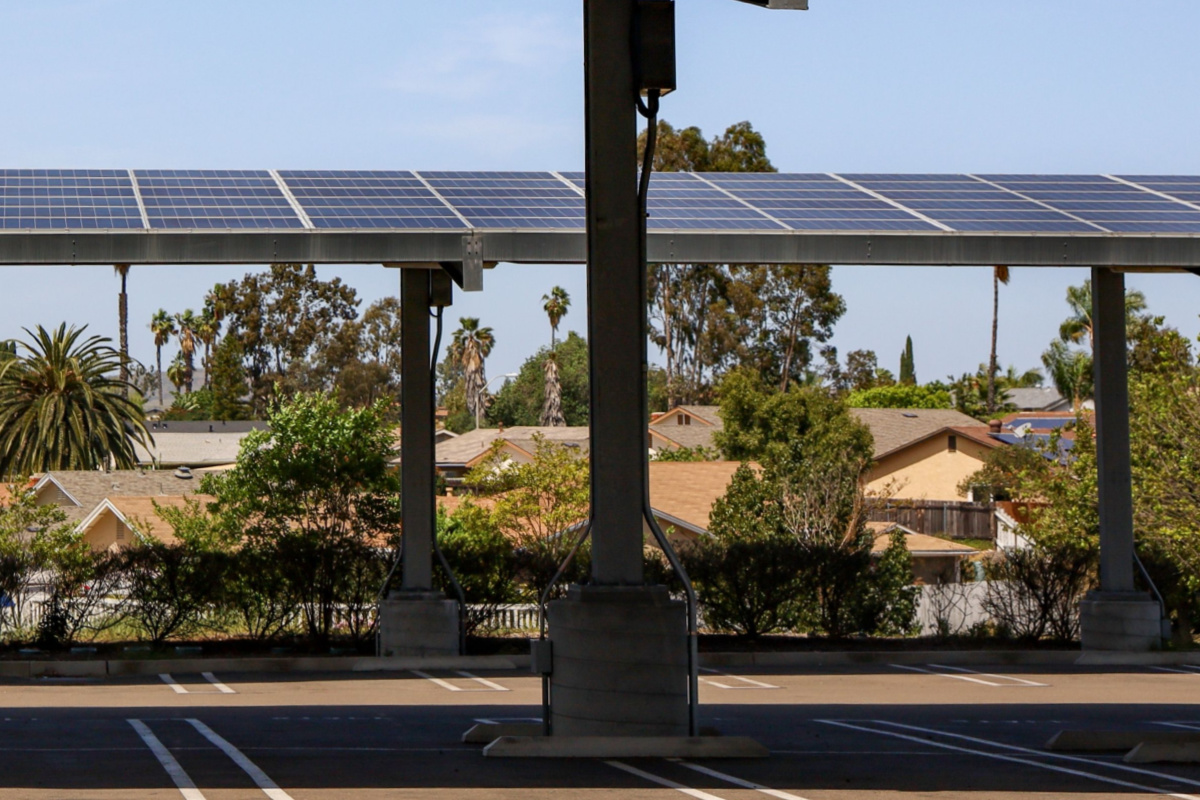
(1162, 604)
(545, 597)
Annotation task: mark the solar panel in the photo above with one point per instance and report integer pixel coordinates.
(62, 199)
(1108, 203)
(348, 199)
(1043, 423)
(1185, 189)
(198, 199)
(816, 202)
(511, 199)
(968, 203)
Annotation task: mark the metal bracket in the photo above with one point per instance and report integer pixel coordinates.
(470, 270)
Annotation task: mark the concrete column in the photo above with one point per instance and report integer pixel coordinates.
(1117, 617)
(414, 620)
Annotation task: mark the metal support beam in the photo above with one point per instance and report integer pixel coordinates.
(1112, 431)
(416, 432)
(616, 296)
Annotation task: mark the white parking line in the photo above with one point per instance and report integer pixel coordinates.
(1025, 761)
(495, 687)
(944, 675)
(987, 675)
(444, 684)
(1186, 670)
(208, 676)
(1057, 756)
(269, 787)
(182, 782)
(661, 781)
(738, 781)
(169, 681)
(753, 683)
(1187, 726)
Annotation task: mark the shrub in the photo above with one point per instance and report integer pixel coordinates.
(483, 561)
(170, 588)
(1035, 591)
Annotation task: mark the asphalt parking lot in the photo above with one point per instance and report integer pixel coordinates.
(872, 732)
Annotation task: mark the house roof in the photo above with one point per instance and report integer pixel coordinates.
(897, 428)
(685, 491)
(209, 426)
(141, 514)
(1037, 398)
(200, 449)
(705, 422)
(89, 487)
(466, 447)
(919, 544)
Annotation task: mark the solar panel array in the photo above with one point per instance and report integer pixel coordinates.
(550, 201)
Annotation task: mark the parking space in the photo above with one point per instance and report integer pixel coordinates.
(877, 731)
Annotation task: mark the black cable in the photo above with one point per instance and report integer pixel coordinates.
(649, 110)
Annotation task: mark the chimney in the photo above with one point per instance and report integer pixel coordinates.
(994, 426)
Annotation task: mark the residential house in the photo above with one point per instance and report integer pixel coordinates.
(1037, 398)
(119, 521)
(687, 427)
(195, 444)
(924, 454)
(79, 492)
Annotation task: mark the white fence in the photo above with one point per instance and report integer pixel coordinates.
(950, 609)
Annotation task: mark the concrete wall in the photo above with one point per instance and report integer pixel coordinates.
(928, 470)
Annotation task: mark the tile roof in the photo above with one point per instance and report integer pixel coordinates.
(468, 446)
(895, 428)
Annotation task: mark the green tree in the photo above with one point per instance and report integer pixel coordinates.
(552, 414)
(207, 328)
(228, 381)
(900, 396)
(162, 325)
(862, 372)
(470, 346)
(483, 561)
(520, 401)
(62, 406)
(30, 537)
(316, 490)
(908, 370)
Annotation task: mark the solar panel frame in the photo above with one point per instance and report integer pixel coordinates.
(511, 200)
(369, 199)
(215, 199)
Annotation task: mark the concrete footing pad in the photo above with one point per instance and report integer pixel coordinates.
(488, 732)
(625, 747)
(418, 624)
(1120, 621)
(1165, 752)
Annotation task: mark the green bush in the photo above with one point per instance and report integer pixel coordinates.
(483, 561)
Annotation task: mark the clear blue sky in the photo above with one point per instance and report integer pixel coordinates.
(860, 85)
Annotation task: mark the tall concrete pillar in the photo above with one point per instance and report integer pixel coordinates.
(1117, 616)
(619, 647)
(415, 620)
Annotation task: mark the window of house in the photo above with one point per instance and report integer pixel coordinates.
(953, 443)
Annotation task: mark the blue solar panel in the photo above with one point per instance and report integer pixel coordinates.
(62, 199)
(527, 200)
(1182, 188)
(200, 199)
(816, 202)
(966, 203)
(1105, 202)
(347, 199)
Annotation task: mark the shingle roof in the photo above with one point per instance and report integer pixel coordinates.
(697, 434)
(172, 448)
(687, 490)
(89, 487)
(894, 428)
(916, 543)
(1036, 399)
(470, 445)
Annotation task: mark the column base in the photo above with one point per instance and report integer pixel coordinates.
(1125, 621)
(418, 624)
(619, 663)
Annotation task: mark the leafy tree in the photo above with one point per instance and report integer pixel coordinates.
(228, 381)
(62, 406)
(1070, 371)
(207, 328)
(470, 346)
(863, 372)
(483, 561)
(999, 275)
(908, 370)
(760, 423)
(520, 400)
(536, 506)
(316, 491)
(30, 535)
(162, 325)
(381, 335)
(169, 588)
(709, 318)
(900, 396)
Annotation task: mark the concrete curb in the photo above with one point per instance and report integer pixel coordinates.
(101, 669)
(1118, 658)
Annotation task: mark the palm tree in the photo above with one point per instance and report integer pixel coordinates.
(555, 305)
(999, 275)
(1070, 371)
(470, 345)
(122, 271)
(552, 414)
(207, 329)
(177, 374)
(62, 408)
(162, 325)
(187, 322)
(1078, 326)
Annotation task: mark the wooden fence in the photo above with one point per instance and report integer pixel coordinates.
(958, 520)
